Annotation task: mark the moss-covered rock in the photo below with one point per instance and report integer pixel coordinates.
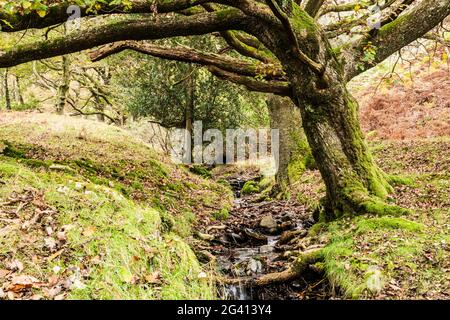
(250, 187)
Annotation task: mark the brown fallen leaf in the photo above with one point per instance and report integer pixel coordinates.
(153, 278)
(50, 243)
(4, 273)
(22, 282)
(52, 292)
(15, 265)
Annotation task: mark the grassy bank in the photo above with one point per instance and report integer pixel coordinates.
(88, 211)
(392, 257)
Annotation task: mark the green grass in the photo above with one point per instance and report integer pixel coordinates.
(118, 241)
(128, 211)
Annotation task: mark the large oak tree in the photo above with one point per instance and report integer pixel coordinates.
(299, 49)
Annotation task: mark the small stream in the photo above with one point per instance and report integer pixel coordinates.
(247, 247)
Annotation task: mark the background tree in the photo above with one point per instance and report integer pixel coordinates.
(294, 152)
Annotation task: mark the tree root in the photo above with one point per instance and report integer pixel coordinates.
(305, 259)
(364, 203)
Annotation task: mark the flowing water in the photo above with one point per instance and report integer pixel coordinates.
(248, 249)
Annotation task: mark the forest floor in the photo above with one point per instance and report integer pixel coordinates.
(87, 211)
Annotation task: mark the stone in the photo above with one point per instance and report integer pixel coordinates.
(374, 280)
(268, 222)
(255, 266)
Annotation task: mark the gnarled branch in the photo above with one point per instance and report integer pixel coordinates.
(277, 87)
(141, 29)
(186, 54)
(57, 13)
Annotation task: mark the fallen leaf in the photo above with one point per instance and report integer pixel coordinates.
(89, 231)
(55, 255)
(50, 243)
(4, 273)
(15, 265)
(22, 282)
(52, 292)
(155, 277)
(61, 236)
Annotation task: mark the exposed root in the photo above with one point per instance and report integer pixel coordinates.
(305, 260)
(357, 202)
(373, 205)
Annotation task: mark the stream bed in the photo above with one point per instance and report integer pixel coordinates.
(247, 245)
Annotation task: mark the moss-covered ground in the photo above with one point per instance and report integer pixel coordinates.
(390, 257)
(88, 211)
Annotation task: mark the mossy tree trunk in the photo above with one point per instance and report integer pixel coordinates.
(293, 147)
(354, 183)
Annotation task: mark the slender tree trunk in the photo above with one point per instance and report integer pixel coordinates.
(64, 87)
(100, 107)
(354, 183)
(18, 92)
(189, 113)
(7, 94)
(293, 147)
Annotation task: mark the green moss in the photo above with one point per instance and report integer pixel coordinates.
(266, 183)
(301, 20)
(250, 187)
(401, 180)
(14, 152)
(201, 171)
(389, 223)
(222, 214)
(317, 228)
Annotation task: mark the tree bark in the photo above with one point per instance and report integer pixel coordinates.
(189, 112)
(19, 96)
(64, 86)
(7, 94)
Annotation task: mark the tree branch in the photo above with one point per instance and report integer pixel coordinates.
(312, 7)
(277, 87)
(57, 13)
(83, 113)
(141, 29)
(350, 6)
(278, 12)
(241, 47)
(395, 35)
(186, 54)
